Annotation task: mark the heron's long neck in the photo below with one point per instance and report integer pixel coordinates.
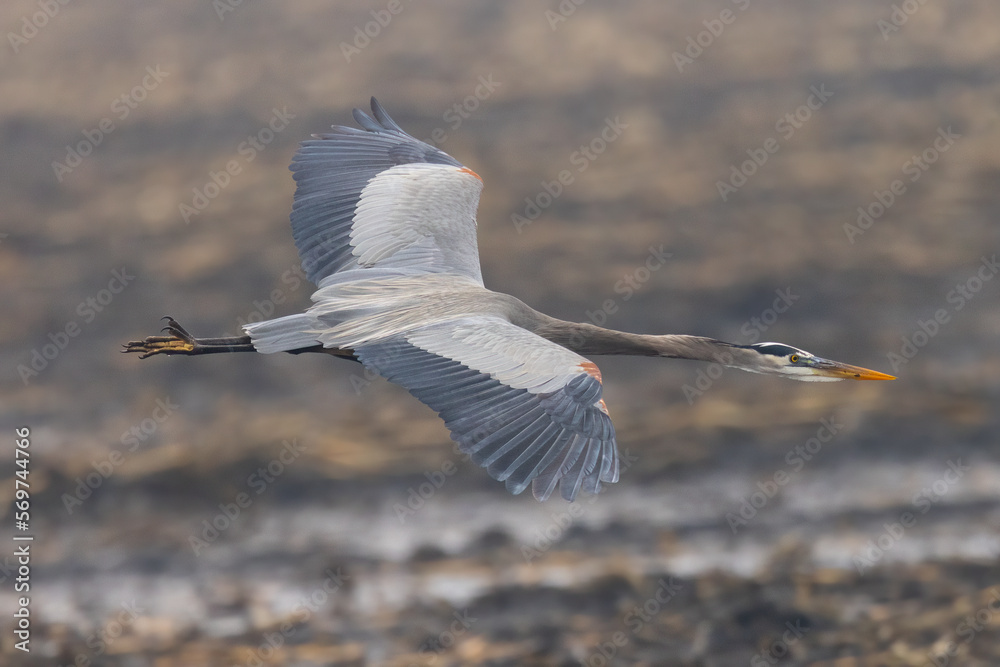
(588, 339)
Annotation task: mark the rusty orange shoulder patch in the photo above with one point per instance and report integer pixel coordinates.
(466, 170)
(591, 369)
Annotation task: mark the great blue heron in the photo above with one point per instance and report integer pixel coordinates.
(385, 225)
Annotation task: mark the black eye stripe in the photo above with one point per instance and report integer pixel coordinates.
(776, 349)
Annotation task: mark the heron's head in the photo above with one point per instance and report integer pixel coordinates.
(791, 362)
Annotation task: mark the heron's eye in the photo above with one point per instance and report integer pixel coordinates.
(794, 358)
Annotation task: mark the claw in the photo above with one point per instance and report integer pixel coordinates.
(178, 331)
(178, 342)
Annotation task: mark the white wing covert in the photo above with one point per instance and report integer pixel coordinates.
(377, 197)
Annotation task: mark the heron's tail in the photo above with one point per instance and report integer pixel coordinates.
(284, 334)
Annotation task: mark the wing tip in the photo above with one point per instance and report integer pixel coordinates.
(365, 121)
(378, 121)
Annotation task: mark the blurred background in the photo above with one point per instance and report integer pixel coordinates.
(821, 174)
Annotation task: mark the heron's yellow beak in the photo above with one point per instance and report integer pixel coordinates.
(835, 369)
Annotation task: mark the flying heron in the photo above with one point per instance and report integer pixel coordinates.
(385, 226)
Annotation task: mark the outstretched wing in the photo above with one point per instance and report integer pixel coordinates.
(377, 197)
(526, 409)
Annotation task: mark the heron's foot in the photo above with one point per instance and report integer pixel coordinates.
(179, 341)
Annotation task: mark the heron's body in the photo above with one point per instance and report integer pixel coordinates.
(385, 226)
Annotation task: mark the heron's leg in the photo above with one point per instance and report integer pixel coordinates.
(179, 341)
